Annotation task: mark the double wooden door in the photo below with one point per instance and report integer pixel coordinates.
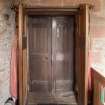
(51, 56)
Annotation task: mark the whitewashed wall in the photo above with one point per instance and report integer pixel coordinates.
(6, 36)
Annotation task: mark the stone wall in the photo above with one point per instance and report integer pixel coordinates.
(7, 25)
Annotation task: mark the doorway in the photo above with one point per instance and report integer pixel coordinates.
(50, 50)
(80, 56)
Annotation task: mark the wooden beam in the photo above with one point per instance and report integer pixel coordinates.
(20, 72)
(82, 56)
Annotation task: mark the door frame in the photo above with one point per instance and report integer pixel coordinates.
(81, 47)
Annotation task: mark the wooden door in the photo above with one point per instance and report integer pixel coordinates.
(39, 41)
(62, 52)
(51, 64)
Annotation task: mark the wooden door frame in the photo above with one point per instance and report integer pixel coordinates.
(81, 46)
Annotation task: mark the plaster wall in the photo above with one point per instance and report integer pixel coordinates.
(6, 34)
(97, 33)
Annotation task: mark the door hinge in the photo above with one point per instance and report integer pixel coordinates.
(24, 42)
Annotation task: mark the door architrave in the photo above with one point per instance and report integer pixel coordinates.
(81, 15)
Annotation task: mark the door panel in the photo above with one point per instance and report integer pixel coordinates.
(39, 55)
(63, 54)
(50, 50)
